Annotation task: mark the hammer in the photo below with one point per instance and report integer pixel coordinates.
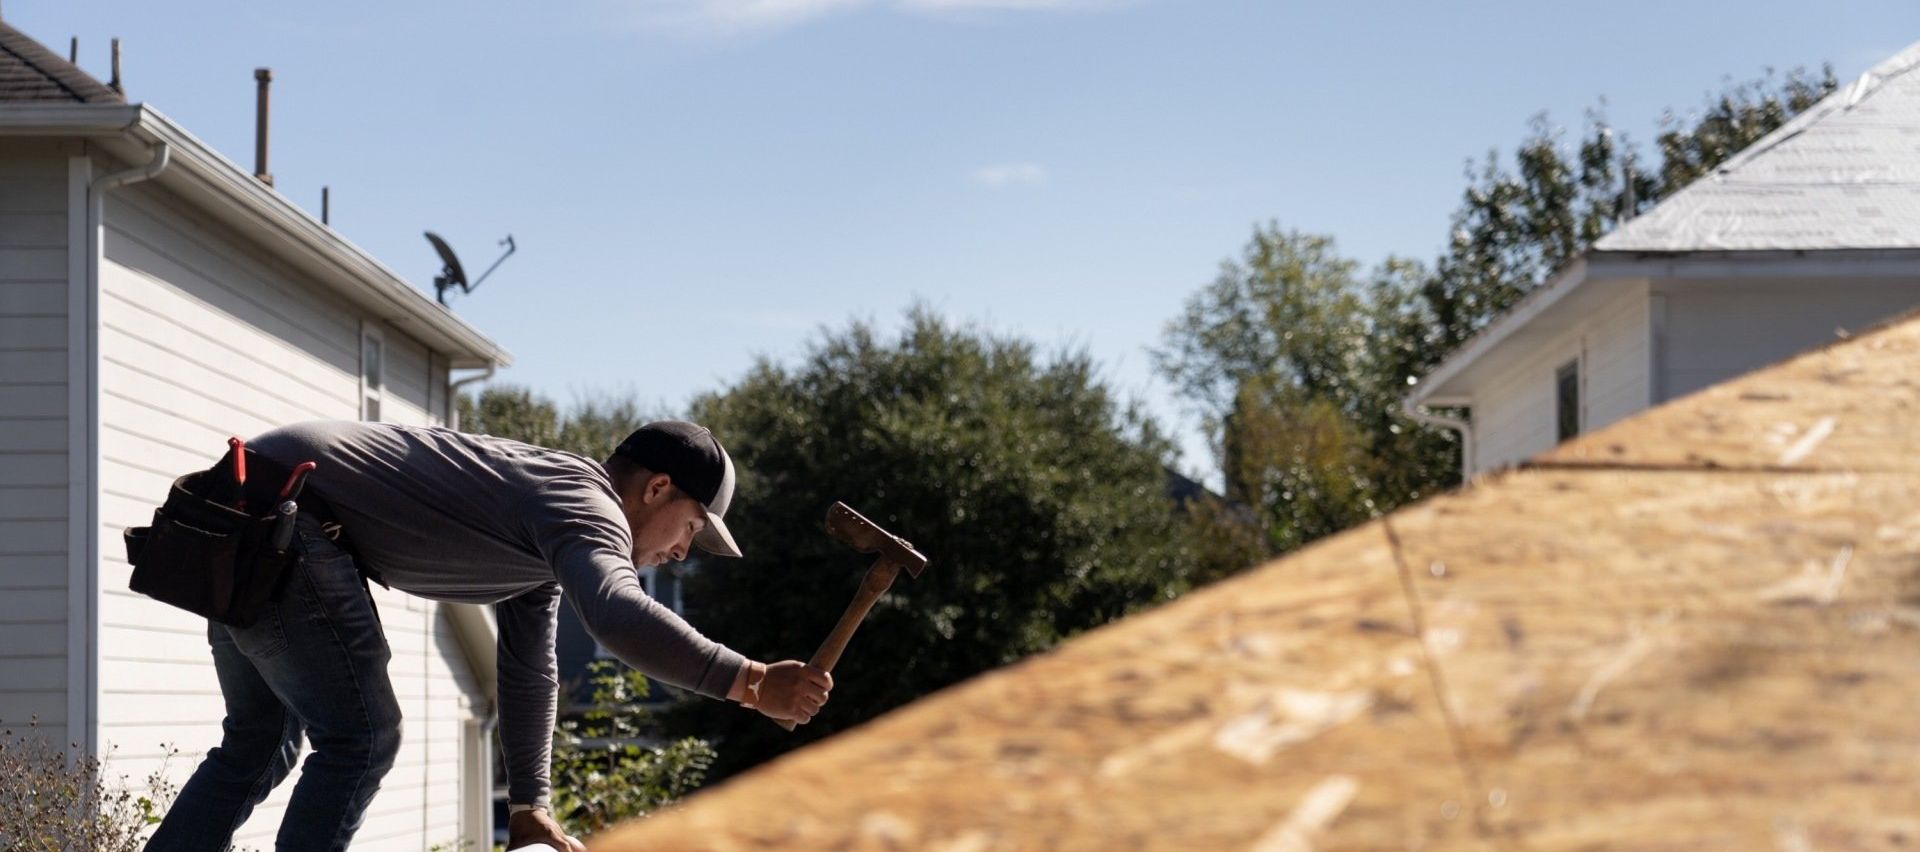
(894, 552)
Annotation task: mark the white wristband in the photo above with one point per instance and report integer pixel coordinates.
(753, 686)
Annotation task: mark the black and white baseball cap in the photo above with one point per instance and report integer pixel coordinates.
(698, 465)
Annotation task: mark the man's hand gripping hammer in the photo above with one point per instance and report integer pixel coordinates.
(894, 552)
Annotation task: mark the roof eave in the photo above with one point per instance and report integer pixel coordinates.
(269, 216)
(475, 633)
(1654, 264)
(1433, 389)
(75, 119)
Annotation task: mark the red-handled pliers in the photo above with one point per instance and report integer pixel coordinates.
(296, 480)
(239, 449)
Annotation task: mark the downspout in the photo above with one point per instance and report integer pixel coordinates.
(453, 395)
(1418, 414)
(84, 463)
(479, 643)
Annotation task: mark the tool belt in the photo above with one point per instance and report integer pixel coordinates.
(218, 548)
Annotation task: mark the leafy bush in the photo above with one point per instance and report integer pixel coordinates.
(50, 802)
(602, 772)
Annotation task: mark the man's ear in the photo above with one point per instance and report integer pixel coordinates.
(659, 489)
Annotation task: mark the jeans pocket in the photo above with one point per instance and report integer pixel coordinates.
(263, 639)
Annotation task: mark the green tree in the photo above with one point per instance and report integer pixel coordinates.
(1039, 497)
(513, 412)
(597, 424)
(1297, 362)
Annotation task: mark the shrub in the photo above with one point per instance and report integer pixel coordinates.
(603, 770)
(51, 801)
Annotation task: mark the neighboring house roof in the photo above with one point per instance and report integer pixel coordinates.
(1842, 178)
(138, 134)
(1182, 489)
(1693, 628)
(1843, 174)
(29, 72)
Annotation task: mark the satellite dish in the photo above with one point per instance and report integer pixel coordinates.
(452, 274)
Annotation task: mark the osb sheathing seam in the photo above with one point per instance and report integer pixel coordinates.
(1694, 629)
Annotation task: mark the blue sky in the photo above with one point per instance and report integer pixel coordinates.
(693, 183)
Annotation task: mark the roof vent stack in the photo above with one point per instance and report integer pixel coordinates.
(114, 84)
(264, 76)
(73, 50)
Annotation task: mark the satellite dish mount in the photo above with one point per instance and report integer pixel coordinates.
(452, 274)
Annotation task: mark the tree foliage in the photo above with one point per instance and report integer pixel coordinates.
(1039, 497)
(1297, 361)
(513, 412)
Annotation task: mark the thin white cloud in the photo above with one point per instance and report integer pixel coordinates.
(731, 17)
(738, 17)
(1016, 5)
(1008, 174)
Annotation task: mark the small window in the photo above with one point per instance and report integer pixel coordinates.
(373, 371)
(1566, 382)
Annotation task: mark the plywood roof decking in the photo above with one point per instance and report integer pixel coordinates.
(30, 73)
(1696, 627)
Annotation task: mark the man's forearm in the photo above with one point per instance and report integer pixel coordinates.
(658, 642)
(526, 738)
(528, 692)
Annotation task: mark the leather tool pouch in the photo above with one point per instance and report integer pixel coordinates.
(205, 555)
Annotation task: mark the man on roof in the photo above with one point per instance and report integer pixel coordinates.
(473, 519)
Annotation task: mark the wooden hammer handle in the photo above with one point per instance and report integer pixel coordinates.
(879, 578)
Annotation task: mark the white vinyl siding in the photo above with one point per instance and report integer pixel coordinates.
(1614, 377)
(1718, 330)
(415, 392)
(33, 437)
(1514, 414)
(205, 336)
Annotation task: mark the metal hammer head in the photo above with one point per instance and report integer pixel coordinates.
(865, 536)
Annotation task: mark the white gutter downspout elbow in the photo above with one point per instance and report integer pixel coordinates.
(453, 394)
(1414, 411)
(153, 168)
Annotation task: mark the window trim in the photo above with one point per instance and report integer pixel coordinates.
(1570, 368)
(372, 333)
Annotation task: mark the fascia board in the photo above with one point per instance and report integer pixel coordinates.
(255, 209)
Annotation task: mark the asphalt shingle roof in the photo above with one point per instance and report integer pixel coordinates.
(31, 73)
(1845, 174)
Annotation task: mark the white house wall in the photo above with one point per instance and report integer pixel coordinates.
(204, 336)
(1514, 412)
(34, 262)
(1719, 330)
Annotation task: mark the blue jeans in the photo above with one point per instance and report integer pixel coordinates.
(314, 665)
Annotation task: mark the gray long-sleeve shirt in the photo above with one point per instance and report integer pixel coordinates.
(474, 519)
